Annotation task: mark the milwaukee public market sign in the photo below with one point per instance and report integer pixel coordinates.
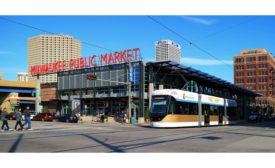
(85, 62)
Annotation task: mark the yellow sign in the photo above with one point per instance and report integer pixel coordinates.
(214, 100)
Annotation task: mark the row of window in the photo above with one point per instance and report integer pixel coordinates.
(253, 80)
(251, 59)
(239, 67)
(253, 66)
(251, 73)
(240, 81)
(262, 87)
(262, 72)
(192, 109)
(251, 87)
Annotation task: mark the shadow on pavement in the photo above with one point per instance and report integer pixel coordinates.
(16, 143)
(112, 147)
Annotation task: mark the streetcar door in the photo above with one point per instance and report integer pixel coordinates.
(221, 114)
(206, 115)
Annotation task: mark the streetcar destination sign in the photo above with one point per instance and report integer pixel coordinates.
(85, 62)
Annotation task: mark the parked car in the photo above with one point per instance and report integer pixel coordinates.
(43, 117)
(32, 114)
(68, 118)
(254, 117)
(11, 116)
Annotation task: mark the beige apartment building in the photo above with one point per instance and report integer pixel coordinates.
(167, 50)
(255, 70)
(43, 49)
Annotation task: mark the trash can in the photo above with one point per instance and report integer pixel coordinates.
(133, 120)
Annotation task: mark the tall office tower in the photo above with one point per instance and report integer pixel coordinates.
(255, 69)
(43, 49)
(1, 76)
(168, 50)
(22, 77)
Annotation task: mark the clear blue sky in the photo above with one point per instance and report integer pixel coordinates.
(222, 36)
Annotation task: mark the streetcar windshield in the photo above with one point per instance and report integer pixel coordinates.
(159, 104)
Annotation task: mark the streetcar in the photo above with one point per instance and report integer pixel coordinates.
(179, 108)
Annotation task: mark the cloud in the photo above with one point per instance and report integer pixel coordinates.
(205, 62)
(3, 52)
(199, 20)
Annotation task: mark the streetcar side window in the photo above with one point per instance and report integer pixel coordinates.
(172, 106)
(186, 108)
(212, 110)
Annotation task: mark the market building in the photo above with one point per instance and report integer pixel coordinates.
(108, 90)
(109, 84)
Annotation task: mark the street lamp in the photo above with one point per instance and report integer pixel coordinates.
(129, 90)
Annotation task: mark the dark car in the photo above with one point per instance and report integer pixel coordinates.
(43, 117)
(68, 118)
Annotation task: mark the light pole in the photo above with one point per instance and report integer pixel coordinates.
(129, 90)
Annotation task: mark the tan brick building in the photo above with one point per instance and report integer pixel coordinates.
(255, 69)
(45, 49)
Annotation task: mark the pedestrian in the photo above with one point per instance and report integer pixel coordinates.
(4, 118)
(18, 120)
(27, 118)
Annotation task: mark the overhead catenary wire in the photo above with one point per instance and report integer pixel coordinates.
(188, 41)
(51, 33)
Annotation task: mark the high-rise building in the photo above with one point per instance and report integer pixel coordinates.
(255, 69)
(45, 49)
(22, 77)
(1, 76)
(168, 50)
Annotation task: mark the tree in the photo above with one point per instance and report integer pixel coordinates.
(147, 113)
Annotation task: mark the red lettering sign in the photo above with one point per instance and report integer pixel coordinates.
(104, 59)
(91, 61)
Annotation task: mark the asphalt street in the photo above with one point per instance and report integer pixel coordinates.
(56, 137)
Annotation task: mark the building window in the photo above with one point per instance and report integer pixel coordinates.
(262, 66)
(251, 80)
(262, 87)
(251, 73)
(262, 72)
(262, 80)
(250, 59)
(262, 58)
(239, 60)
(251, 66)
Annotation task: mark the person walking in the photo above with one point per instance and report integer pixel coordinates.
(18, 120)
(4, 116)
(27, 118)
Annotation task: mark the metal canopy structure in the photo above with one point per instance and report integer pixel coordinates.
(8, 90)
(191, 72)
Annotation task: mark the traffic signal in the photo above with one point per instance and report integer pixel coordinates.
(91, 77)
